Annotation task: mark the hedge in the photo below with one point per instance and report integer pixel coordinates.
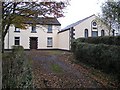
(16, 69)
(99, 56)
(109, 40)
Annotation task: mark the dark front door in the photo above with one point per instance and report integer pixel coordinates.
(33, 42)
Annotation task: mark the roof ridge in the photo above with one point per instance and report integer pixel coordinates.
(76, 23)
(45, 21)
(86, 18)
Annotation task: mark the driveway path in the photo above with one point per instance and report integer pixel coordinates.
(52, 69)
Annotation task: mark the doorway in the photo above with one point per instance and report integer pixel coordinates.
(33, 42)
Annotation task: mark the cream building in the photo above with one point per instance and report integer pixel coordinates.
(47, 33)
(41, 36)
(90, 26)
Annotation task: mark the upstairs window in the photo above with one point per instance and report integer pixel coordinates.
(49, 42)
(17, 40)
(33, 29)
(17, 29)
(49, 28)
(102, 33)
(86, 33)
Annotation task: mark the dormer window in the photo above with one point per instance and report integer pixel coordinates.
(17, 29)
(49, 28)
(33, 29)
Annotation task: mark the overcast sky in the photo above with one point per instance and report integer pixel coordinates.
(80, 9)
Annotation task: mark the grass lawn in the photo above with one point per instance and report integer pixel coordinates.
(56, 68)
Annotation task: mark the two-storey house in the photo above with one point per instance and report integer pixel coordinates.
(41, 35)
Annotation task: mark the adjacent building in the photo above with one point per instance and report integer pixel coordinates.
(90, 26)
(47, 33)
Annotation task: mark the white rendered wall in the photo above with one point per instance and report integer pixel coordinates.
(86, 24)
(26, 34)
(64, 40)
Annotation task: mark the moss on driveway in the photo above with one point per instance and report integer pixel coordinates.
(52, 69)
(56, 68)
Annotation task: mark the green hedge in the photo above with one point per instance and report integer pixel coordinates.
(16, 69)
(100, 56)
(17, 49)
(109, 40)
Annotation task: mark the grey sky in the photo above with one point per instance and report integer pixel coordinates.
(80, 9)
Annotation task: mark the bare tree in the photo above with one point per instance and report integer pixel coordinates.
(111, 13)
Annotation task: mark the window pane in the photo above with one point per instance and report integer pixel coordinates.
(50, 28)
(17, 40)
(102, 33)
(94, 33)
(33, 29)
(94, 23)
(17, 29)
(49, 41)
(86, 33)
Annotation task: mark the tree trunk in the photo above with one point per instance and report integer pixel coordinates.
(3, 44)
(4, 32)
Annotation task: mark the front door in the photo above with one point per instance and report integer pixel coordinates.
(33, 42)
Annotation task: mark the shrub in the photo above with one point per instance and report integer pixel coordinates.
(100, 56)
(16, 69)
(73, 45)
(109, 40)
(17, 49)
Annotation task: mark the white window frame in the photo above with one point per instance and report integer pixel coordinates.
(17, 39)
(50, 29)
(49, 41)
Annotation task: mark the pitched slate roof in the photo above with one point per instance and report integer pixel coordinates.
(76, 23)
(44, 21)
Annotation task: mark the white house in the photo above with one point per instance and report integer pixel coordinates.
(41, 36)
(47, 33)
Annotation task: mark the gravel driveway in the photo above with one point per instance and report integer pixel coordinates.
(52, 69)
